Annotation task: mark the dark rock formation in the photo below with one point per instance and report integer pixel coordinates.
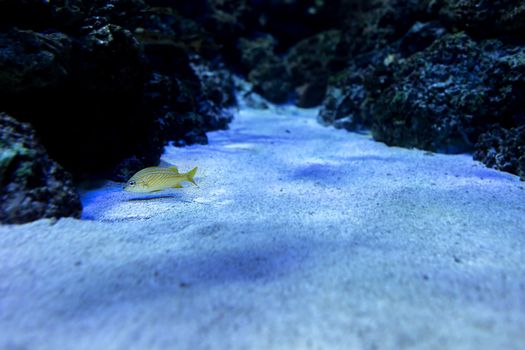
(287, 48)
(444, 97)
(417, 80)
(228, 20)
(32, 61)
(257, 50)
(270, 79)
(310, 63)
(303, 72)
(32, 186)
(485, 18)
(437, 99)
(68, 16)
(380, 24)
(113, 80)
(185, 101)
(503, 149)
(216, 99)
(345, 102)
(117, 80)
(290, 21)
(88, 88)
(266, 71)
(420, 36)
(375, 36)
(353, 92)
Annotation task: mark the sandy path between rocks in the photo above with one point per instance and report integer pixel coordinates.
(299, 237)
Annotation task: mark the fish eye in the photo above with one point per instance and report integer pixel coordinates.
(132, 183)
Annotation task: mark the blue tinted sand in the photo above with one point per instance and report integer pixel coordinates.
(298, 237)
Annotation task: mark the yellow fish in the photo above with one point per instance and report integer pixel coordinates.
(157, 179)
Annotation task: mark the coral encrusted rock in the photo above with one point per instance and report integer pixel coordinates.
(32, 186)
(503, 149)
(444, 97)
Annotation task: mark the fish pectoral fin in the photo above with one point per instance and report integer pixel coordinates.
(177, 186)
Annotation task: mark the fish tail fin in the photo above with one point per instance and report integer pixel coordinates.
(190, 175)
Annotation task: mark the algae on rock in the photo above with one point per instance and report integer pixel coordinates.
(32, 186)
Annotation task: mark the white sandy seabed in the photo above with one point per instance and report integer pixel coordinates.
(299, 237)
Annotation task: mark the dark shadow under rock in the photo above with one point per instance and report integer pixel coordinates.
(291, 21)
(68, 16)
(32, 185)
(83, 95)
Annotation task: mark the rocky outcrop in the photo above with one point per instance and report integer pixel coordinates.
(88, 87)
(352, 93)
(265, 69)
(345, 104)
(310, 63)
(114, 80)
(106, 84)
(485, 18)
(443, 98)
(33, 61)
(503, 149)
(379, 24)
(301, 75)
(32, 186)
(439, 99)
(434, 75)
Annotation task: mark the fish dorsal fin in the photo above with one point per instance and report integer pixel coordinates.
(174, 169)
